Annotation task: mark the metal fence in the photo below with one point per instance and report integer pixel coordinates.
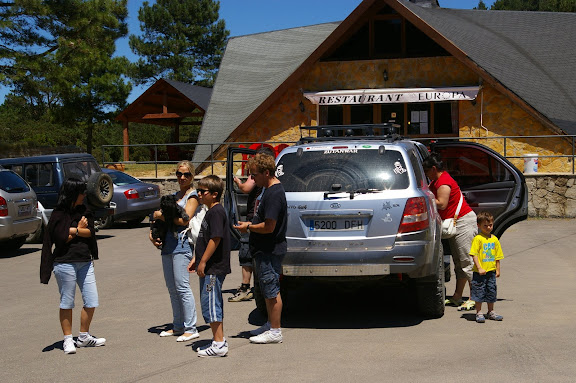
(514, 148)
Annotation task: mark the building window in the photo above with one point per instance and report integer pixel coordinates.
(418, 119)
(413, 119)
(386, 35)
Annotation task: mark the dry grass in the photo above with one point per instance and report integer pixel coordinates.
(149, 170)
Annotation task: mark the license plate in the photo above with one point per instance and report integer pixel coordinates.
(335, 224)
(24, 210)
(150, 193)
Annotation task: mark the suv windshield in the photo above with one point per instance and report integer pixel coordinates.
(330, 169)
(10, 182)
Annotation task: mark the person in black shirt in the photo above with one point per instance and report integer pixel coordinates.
(244, 292)
(268, 243)
(71, 232)
(212, 262)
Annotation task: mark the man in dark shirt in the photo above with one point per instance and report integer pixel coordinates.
(244, 292)
(268, 243)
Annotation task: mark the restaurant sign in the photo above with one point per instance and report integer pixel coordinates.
(392, 95)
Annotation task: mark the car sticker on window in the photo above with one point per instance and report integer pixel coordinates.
(340, 151)
(398, 169)
(279, 171)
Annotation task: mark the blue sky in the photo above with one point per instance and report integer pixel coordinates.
(253, 16)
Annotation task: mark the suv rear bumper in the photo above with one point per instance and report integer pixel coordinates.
(11, 229)
(414, 258)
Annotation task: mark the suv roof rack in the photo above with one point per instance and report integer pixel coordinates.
(385, 131)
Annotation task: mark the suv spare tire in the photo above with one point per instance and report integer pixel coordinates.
(100, 189)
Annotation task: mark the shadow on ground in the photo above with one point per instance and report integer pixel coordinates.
(315, 305)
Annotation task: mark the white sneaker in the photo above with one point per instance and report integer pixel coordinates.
(90, 341)
(267, 337)
(188, 336)
(213, 350)
(69, 347)
(262, 329)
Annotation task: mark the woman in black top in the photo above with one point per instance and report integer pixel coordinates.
(71, 232)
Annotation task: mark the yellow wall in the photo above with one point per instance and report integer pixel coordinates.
(501, 117)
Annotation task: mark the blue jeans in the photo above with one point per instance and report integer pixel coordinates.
(81, 273)
(177, 279)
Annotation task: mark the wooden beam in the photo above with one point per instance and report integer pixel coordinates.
(171, 115)
(126, 140)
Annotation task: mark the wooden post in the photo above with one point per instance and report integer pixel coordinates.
(126, 139)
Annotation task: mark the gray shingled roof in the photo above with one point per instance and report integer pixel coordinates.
(530, 53)
(253, 67)
(198, 94)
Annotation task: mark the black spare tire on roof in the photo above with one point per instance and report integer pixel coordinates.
(99, 189)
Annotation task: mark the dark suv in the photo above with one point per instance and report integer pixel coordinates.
(47, 173)
(359, 207)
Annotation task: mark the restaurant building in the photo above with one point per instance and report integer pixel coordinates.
(434, 72)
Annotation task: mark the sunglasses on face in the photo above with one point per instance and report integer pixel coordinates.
(201, 191)
(180, 174)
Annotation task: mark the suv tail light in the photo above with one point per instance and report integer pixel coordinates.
(131, 194)
(415, 216)
(3, 208)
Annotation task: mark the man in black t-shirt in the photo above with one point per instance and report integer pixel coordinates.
(244, 292)
(268, 243)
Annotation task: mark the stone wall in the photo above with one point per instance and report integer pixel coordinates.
(550, 195)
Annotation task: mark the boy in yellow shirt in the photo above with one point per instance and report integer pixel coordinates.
(487, 253)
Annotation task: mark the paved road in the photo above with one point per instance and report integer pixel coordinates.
(337, 336)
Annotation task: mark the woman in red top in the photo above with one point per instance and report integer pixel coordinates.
(447, 193)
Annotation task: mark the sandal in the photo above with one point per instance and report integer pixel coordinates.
(453, 302)
(467, 306)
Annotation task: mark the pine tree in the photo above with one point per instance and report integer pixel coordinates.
(57, 58)
(181, 40)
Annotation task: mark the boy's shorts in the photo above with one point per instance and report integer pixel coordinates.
(269, 267)
(211, 298)
(244, 251)
(483, 287)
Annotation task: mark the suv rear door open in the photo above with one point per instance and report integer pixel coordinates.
(234, 199)
(488, 181)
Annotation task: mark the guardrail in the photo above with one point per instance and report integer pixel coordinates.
(174, 153)
(514, 148)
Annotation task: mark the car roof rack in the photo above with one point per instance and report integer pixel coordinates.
(385, 131)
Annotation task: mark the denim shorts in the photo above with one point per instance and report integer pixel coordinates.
(211, 298)
(244, 252)
(269, 267)
(81, 273)
(483, 287)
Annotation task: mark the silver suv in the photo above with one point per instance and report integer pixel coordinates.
(359, 207)
(18, 217)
